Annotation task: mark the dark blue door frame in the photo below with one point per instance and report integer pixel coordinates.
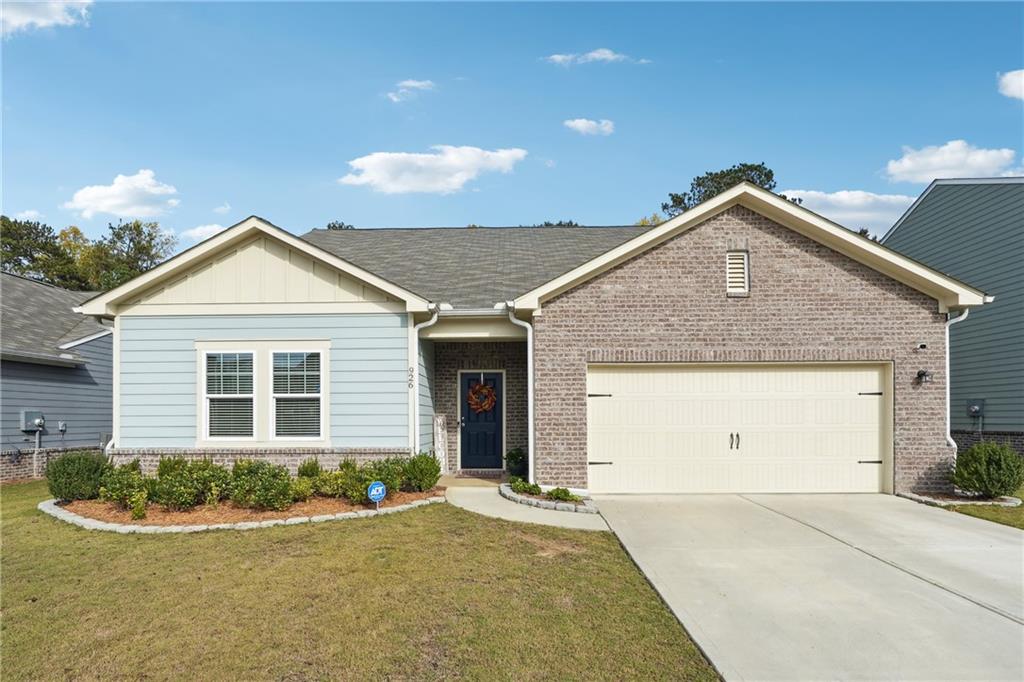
(481, 434)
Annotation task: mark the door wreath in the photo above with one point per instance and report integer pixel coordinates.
(481, 398)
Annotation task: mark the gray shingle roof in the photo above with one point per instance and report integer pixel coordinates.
(36, 318)
(471, 267)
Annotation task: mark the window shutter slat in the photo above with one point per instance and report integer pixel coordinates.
(737, 275)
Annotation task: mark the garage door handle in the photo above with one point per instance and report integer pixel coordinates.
(593, 463)
(599, 395)
(731, 436)
(869, 461)
(737, 441)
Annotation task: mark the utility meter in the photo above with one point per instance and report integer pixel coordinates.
(32, 420)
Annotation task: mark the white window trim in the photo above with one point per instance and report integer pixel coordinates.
(746, 273)
(207, 396)
(324, 377)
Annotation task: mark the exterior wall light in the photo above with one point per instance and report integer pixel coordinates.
(924, 376)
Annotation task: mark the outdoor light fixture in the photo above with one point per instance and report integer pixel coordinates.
(924, 376)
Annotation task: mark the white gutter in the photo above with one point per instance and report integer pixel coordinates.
(950, 321)
(416, 376)
(510, 306)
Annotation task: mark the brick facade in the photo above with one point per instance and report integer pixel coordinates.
(450, 357)
(289, 457)
(21, 464)
(965, 439)
(807, 303)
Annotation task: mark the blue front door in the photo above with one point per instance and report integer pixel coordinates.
(482, 409)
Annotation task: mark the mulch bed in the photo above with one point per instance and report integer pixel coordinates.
(226, 512)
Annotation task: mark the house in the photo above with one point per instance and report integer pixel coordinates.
(973, 229)
(747, 344)
(55, 365)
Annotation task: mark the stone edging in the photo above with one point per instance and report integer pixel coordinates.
(584, 507)
(935, 502)
(53, 509)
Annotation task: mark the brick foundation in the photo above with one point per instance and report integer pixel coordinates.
(289, 457)
(807, 303)
(450, 357)
(15, 465)
(965, 439)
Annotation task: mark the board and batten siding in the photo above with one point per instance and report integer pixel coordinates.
(79, 396)
(426, 396)
(369, 395)
(975, 232)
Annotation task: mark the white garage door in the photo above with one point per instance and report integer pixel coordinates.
(738, 428)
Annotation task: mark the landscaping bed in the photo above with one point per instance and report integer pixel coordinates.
(517, 490)
(228, 512)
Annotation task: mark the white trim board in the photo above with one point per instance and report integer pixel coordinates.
(85, 339)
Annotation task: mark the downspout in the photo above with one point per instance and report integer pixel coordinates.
(416, 374)
(511, 307)
(950, 321)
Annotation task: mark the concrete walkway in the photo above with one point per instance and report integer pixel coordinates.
(483, 498)
(814, 587)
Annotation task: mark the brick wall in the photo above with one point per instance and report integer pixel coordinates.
(289, 457)
(965, 439)
(807, 303)
(510, 356)
(20, 464)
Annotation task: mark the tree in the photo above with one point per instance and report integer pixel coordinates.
(864, 232)
(560, 223)
(339, 225)
(31, 249)
(651, 220)
(129, 250)
(713, 183)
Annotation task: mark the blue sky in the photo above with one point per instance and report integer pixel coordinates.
(494, 114)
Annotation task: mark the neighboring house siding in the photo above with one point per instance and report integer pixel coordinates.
(975, 232)
(80, 396)
(369, 395)
(807, 303)
(426, 396)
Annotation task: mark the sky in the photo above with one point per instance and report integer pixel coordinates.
(199, 114)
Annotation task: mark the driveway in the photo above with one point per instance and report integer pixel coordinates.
(801, 587)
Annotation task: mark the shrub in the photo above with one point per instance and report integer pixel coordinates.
(302, 489)
(126, 487)
(991, 469)
(422, 472)
(183, 484)
(562, 495)
(260, 485)
(390, 472)
(310, 468)
(354, 483)
(330, 484)
(515, 462)
(522, 487)
(76, 475)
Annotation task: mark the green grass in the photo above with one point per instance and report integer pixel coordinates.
(1009, 516)
(433, 593)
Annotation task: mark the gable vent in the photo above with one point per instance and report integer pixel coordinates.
(737, 272)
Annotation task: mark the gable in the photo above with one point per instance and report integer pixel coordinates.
(260, 270)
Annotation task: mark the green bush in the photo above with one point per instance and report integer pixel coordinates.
(258, 484)
(76, 475)
(422, 472)
(390, 472)
(522, 487)
(354, 483)
(126, 487)
(515, 462)
(562, 495)
(183, 484)
(302, 489)
(310, 468)
(330, 484)
(990, 469)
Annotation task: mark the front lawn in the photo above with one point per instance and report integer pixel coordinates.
(437, 592)
(1009, 516)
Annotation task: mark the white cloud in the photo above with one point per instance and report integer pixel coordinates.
(24, 16)
(201, 232)
(223, 208)
(601, 54)
(854, 208)
(955, 159)
(447, 169)
(408, 88)
(586, 126)
(1011, 84)
(30, 214)
(130, 196)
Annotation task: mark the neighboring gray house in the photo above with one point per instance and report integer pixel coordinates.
(53, 362)
(973, 230)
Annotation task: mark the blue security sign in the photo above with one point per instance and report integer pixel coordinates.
(376, 491)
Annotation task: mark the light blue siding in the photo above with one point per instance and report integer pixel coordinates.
(426, 396)
(368, 364)
(80, 396)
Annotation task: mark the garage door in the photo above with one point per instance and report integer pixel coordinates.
(738, 428)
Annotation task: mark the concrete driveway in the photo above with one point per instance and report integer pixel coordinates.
(813, 587)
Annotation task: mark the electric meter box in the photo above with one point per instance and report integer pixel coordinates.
(32, 420)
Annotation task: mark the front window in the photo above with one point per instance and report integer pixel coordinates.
(229, 395)
(297, 394)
